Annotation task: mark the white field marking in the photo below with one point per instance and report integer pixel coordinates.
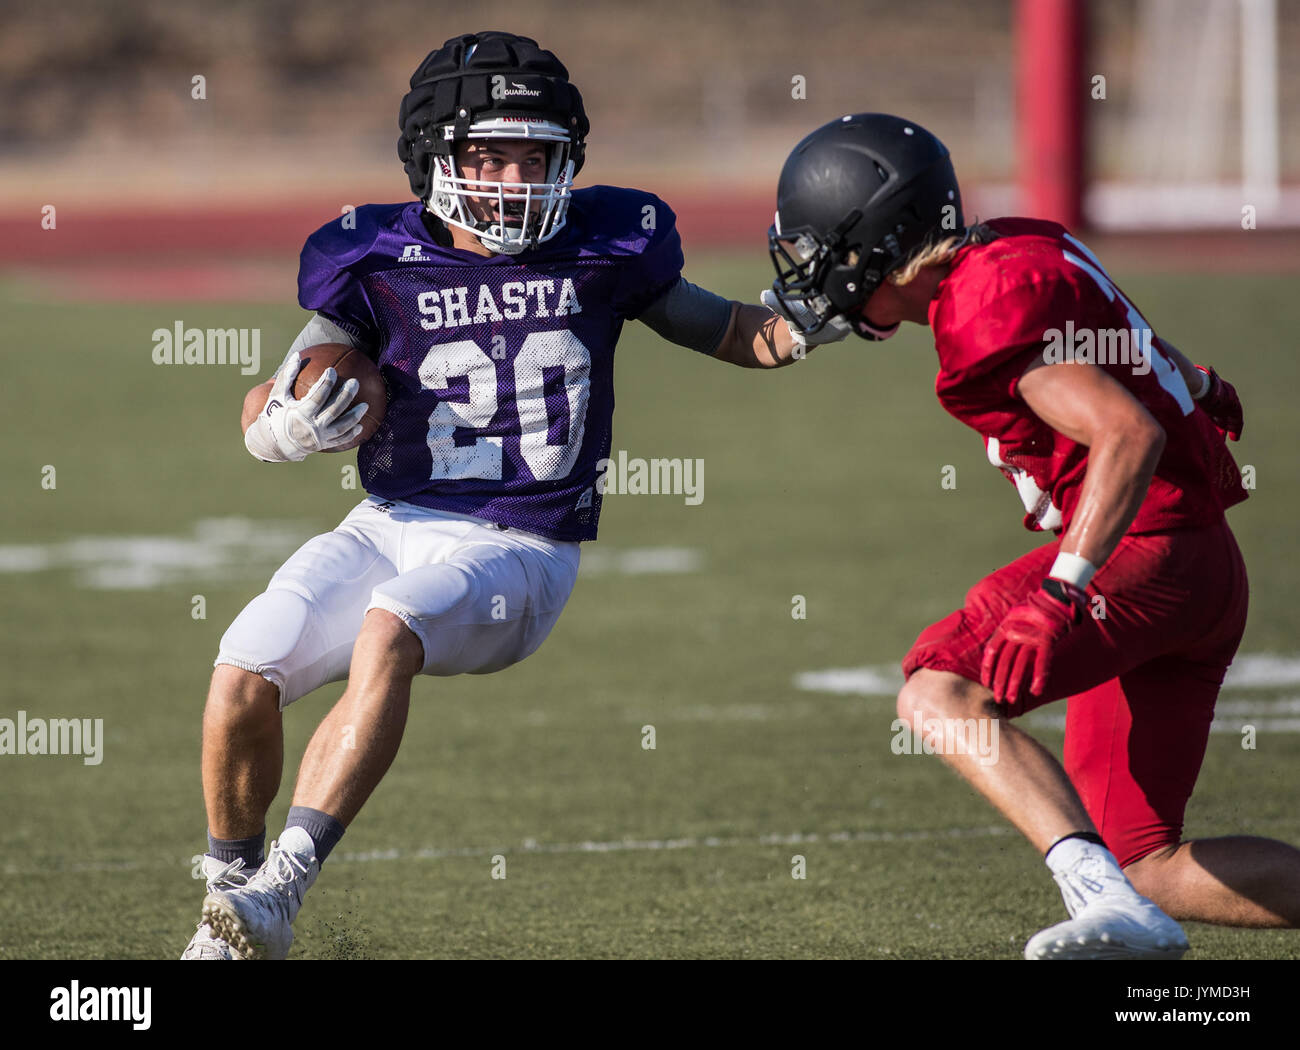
(1262, 725)
(1262, 714)
(1252, 671)
(1219, 725)
(881, 680)
(640, 561)
(743, 712)
(216, 547)
(24, 558)
(789, 709)
(530, 845)
(709, 842)
(1287, 706)
(1262, 671)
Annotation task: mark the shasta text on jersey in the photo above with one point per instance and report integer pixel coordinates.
(450, 307)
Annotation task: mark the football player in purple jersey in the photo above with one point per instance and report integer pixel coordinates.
(492, 305)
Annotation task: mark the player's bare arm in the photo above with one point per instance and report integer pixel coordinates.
(1196, 379)
(758, 338)
(1210, 390)
(1124, 445)
(318, 331)
(741, 334)
(254, 401)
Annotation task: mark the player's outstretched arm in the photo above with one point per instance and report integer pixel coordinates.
(757, 338)
(763, 337)
(738, 333)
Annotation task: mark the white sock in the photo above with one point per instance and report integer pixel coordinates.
(1085, 872)
(1067, 853)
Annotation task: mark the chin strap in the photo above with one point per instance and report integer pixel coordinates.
(876, 333)
(503, 247)
(872, 332)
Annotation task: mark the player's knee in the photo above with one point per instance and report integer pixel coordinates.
(266, 642)
(240, 698)
(388, 637)
(941, 694)
(410, 612)
(911, 698)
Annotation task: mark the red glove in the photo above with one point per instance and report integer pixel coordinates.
(1221, 404)
(1026, 637)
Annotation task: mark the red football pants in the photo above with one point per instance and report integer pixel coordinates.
(1142, 673)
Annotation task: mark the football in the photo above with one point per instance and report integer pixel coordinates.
(349, 363)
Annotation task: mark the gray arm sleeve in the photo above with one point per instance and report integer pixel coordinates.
(689, 316)
(321, 329)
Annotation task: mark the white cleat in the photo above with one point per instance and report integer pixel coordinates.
(256, 919)
(206, 945)
(1109, 920)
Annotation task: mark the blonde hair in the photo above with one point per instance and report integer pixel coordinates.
(941, 252)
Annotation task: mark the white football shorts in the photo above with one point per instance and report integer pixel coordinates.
(479, 597)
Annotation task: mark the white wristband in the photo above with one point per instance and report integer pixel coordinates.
(261, 443)
(1073, 569)
(1204, 389)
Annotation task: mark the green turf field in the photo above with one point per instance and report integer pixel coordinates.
(822, 481)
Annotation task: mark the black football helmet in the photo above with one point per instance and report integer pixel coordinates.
(494, 85)
(856, 198)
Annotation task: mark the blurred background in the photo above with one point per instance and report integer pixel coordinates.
(1119, 114)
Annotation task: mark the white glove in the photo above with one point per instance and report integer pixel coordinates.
(799, 317)
(834, 330)
(290, 429)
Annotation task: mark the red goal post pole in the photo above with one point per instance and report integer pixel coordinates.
(1051, 91)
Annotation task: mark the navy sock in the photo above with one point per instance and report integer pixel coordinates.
(324, 830)
(252, 850)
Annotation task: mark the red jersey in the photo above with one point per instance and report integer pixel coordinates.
(1037, 290)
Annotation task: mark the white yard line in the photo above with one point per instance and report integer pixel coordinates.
(640, 561)
(216, 546)
(1248, 671)
(530, 845)
(709, 842)
(1262, 671)
(1236, 708)
(1219, 725)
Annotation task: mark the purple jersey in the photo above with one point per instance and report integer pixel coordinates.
(500, 369)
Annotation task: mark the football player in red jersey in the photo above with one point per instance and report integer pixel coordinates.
(1115, 443)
